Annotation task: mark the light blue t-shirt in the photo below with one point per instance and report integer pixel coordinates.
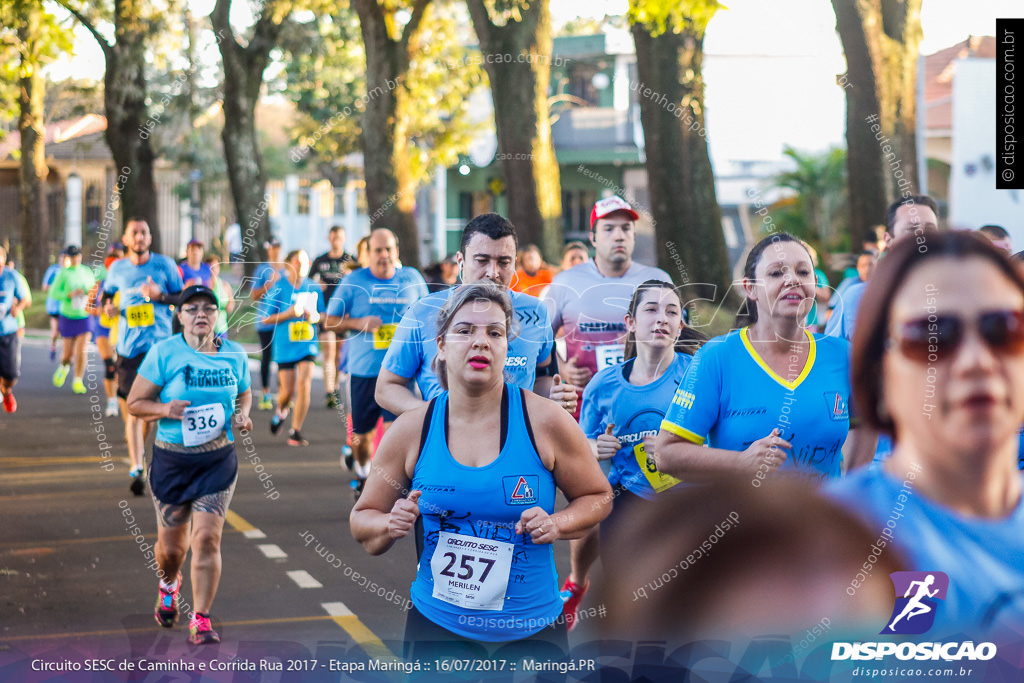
(884, 449)
(200, 378)
(12, 289)
(142, 323)
(259, 280)
(294, 339)
(415, 343)
(730, 398)
(984, 558)
(361, 294)
(52, 305)
(844, 316)
(636, 412)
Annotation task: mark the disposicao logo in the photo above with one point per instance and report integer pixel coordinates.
(914, 613)
(918, 596)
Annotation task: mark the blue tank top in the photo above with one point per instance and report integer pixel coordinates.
(476, 577)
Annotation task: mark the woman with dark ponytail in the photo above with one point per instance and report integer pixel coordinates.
(770, 395)
(623, 405)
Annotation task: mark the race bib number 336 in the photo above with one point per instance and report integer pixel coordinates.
(202, 424)
(471, 572)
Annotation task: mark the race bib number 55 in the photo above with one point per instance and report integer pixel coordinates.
(609, 355)
(471, 572)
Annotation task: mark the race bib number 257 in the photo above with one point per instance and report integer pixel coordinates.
(471, 572)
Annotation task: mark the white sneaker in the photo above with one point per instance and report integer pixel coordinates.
(111, 410)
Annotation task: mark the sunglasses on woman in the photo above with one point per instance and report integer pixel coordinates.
(937, 337)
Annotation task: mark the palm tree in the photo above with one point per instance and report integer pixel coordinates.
(819, 181)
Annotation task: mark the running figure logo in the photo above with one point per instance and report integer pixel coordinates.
(914, 613)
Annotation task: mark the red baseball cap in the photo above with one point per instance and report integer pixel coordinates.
(610, 205)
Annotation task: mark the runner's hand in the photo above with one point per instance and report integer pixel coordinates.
(243, 422)
(577, 375)
(769, 451)
(563, 394)
(539, 525)
(176, 408)
(607, 444)
(403, 515)
(371, 323)
(150, 289)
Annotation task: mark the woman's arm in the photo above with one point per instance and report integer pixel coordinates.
(383, 514)
(693, 463)
(143, 402)
(243, 404)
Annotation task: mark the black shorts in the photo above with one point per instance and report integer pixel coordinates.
(10, 356)
(365, 410)
(290, 365)
(127, 369)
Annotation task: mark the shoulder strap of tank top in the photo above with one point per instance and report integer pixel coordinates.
(504, 418)
(426, 423)
(526, 419)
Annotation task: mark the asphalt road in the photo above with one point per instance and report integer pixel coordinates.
(296, 589)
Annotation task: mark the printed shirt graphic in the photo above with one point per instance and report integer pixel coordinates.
(293, 341)
(142, 323)
(483, 504)
(982, 557)
(729, 398)
(636, 412)
(203, 379)
(415, 343)
(12, 290)
(362, 294)
(328, 270)
(589, 308)
(917, 598)
(69, 279)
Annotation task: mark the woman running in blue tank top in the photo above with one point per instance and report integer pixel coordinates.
(474, 472)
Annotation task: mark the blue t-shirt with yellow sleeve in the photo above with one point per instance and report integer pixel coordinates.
(143, 322)
(295, 338)
(730, 398)
(203, 379)
(361, 294)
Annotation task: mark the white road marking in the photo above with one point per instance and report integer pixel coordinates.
(304, 579)
(337, 609)
(272, 551)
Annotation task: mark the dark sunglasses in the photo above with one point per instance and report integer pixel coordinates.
(937, 337)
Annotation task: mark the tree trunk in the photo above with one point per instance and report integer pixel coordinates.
(684, 208)
(390, 185)
(243, 80)
(129, 129)
(519, 90)
(35, 220)
(881, 40)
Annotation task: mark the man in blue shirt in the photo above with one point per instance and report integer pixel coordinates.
(147, 283)
(370, 302)
(14, 298)
(488, 253)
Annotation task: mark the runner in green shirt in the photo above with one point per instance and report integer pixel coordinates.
(71, 290)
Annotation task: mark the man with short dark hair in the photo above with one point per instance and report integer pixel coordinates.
(999, 237)
(487, 253)
(907, 218)
(370, 303)
(147, 283)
